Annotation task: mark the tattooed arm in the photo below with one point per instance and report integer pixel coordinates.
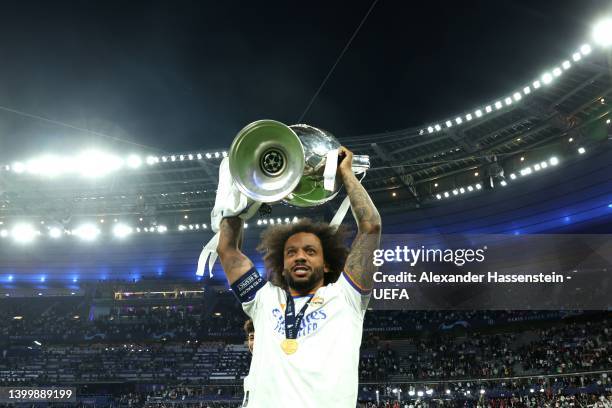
(234, 262)
(359, 266)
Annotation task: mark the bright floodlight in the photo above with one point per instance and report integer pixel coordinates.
(478, 113)
(526, 90)
(581, 150)
(512, 176)
(419, 393)
(429, 391)
(468, 117)
(458, 120)
(566, 65)
(23, 233)
(536, 84)
(446, 194)
(162, 228)
(438, 196)
(556, 71)
(87, 232)
(585, 49)
(503, 183)
(449, 123)
(602, 32)
(498, 105)
(547, 78)
(122, 230)
(4, 233)
(554, 161)
(93, 163)
(55, 232)
(134, 161)
(482, 392)
(517, 96)
(151, 160)
(430, 129)
(437, 127)
(18, 167)
(576, 56)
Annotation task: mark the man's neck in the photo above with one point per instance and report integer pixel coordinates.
(295, 293)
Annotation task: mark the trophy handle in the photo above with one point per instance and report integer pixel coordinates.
(360, 163)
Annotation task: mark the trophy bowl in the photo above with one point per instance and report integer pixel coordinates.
(271, 162)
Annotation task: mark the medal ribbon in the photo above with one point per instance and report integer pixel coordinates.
(293, 321)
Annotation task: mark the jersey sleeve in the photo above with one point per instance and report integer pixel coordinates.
(357, 298)
(248, 290)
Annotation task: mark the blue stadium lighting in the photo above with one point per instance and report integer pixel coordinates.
(10, 278)
(42, 278)
(610, 205)
(75, 280)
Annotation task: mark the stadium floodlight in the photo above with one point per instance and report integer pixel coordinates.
(161, 229)
(258, 222)
(438, 196)
(122, 230)
(437, 127)
(429, 391)
(503, 183)
(581, 150)
(151, 160)
(498, 105)
(55, 232)
(470, 188)
(164, 159)
(87, 232)
(508, 101)
(526, 90)
(478, 113)
(182, 228)
(455, 192)
(4, 233)
(446, 194)
(94, 163)
(181, 157)
(462, 190)
(547, 78)
(585, 49)
(482, 392)
(526, 171)
(468, 117)
(517, 96)
(419, 393)
(602, 32)
(536, 84)
(411, 393)
(448, 392)
(224, 153)
(458, 120)
(557, 71)
(553, 161)
(543, 165)
(199, 156)
(217, 155)
(430, 129)
(566, 65)
(208, 155)
(512, 176)
(190, 156)
(576, 56)
(478, 186)
(488, 109)
(536, 167)
(18, 167)
(23, 233)
(134, 161)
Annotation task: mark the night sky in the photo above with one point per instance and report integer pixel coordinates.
(177, 76)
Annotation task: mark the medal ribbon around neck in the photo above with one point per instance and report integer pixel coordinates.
(292, 324)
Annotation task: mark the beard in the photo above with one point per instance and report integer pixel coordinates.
(304, 285)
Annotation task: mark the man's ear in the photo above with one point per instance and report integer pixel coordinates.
(326, 268)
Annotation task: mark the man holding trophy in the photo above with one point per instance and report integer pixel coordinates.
(308, 313)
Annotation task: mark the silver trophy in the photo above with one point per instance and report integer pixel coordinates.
(271, 162)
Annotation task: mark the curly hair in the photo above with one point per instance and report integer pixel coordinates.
(249, 327)
(273, 241)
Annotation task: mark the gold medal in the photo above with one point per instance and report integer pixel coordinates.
(289, 346)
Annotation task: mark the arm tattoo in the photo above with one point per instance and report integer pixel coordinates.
(359, 264)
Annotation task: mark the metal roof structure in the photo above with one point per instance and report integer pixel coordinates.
(559, 112)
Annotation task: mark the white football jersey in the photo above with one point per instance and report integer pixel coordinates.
(323, 372)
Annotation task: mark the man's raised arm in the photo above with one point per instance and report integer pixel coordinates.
(234, 262)
(359, 266)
